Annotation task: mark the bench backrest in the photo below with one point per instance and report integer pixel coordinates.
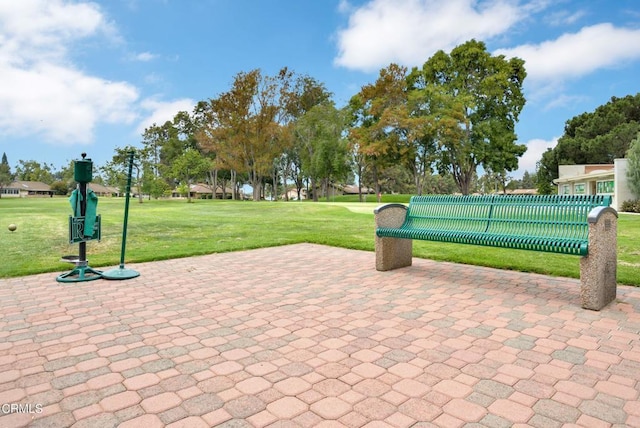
(531, 215)
(449, 212)
(560, 216)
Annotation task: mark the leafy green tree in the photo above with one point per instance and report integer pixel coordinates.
(597, 137)
(378, 122)
(6, 178)
(153, 186)
(394, 179)
(305, 94)
(633, 166)
(324, 153)
(244, 126)
(115, 171)
(190, 166)
(528, 180)
(440, 184)
(34, 171)
(471, 101)
(64, 180)
(153, 139)
(60, 187)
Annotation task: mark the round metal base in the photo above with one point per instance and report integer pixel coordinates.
(120, 273)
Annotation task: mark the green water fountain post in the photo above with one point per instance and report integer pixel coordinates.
(84, 225)
(121, 272)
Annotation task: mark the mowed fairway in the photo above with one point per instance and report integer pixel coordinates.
(167, 229)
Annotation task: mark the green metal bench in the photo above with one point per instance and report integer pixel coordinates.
(562, 224)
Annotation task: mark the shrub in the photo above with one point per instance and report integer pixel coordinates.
(631, 206)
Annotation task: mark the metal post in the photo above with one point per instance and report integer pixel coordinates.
(121, 272)
(82, 246)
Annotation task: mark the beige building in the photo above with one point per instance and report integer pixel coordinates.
(606, 179)
(24, 189)
(205, 191)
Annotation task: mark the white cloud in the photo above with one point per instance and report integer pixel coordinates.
(344, 6)
(60, 104)
(535, 149)
(162, 111)
(565, 17)
(578, 54)
(410, 31)
(43, 92)
(145, 57)
(35, 29)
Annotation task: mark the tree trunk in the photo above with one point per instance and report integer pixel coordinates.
(274, 178)
(299, 185)
(223, 185)
(419, 179)
(359, 182)
(257, 189)
(138, 185)
(313, 189)
(376, 183)
(284, 184)
(233, 184)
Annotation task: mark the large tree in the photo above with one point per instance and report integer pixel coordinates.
(324, 154)
(191, 165)
(471, 101)
(5, 173)
(378, 122)
(633, 167)
(597, 137)
(34, 171)
(305, 94)
(243, 126)
(115, 171)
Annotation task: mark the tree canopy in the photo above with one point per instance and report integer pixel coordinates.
(597, 137)
(633, 167)
(471, 101)
(453, 115)
(5, 173)
(456, 113)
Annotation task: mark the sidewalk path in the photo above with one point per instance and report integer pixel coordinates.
(307, 335)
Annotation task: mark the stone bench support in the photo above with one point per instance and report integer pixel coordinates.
(598, 269)
(392, 253)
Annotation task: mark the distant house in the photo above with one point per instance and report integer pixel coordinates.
(292, 194)
(25, 189)
(522, 192)
(204, 191)
(352, 189)
(102, 190)
(599, 179)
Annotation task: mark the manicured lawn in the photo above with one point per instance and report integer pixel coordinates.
(170, 229)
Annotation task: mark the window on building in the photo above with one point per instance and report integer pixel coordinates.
(579, 189)
(566, 189)
(605, 186)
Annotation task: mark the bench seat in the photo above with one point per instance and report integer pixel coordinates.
(575, 246)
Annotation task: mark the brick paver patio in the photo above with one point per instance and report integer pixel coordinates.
(307, 335)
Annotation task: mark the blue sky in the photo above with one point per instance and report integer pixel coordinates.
(91, 76)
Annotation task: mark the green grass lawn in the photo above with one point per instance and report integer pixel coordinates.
(173, 228)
